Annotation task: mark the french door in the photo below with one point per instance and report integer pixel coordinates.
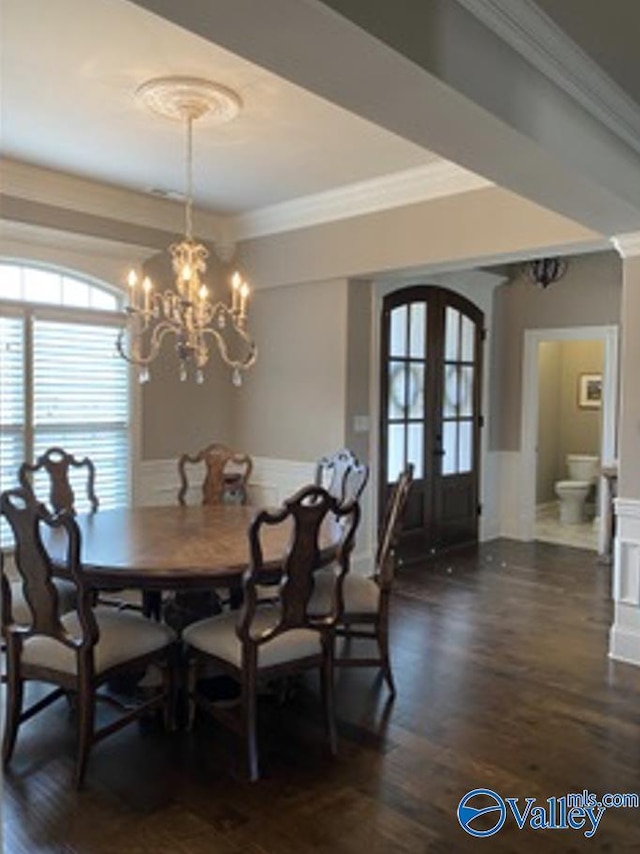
(431, 371)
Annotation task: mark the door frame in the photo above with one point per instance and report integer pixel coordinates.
(440, 533)
(478, 286)
(609, 336)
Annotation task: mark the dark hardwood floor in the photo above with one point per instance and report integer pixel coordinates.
(500, 658)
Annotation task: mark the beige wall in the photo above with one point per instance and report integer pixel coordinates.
(580, 429)
(360, 369)
(293, 402)
(589, 295)
(457, 229)
(182, 417)
(548, 407)
(564, 427)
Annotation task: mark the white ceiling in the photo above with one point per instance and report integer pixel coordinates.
(70, 69)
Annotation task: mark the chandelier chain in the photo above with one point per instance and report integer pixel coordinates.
(188, 215)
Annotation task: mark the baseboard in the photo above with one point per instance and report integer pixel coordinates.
(624, 645)
(545, 506)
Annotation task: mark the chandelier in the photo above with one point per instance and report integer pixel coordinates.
(187, 312)
(546, 271)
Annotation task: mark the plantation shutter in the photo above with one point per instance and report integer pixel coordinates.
(81, 403)
(12, 407)
(12, 399)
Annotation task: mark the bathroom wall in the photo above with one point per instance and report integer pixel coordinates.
(589, 294)
(549, 385)
(580, 428)
(563, 426)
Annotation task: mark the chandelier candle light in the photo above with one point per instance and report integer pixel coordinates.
(187, 311)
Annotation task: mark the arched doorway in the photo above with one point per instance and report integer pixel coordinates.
(430, 383)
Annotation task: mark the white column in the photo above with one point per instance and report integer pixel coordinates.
(624, 640)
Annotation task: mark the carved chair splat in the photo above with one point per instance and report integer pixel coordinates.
(57, 462)
(226, 474)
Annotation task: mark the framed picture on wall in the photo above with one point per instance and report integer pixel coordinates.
(590, 391)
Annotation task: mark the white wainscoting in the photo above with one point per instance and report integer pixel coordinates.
(490, 491)
(624, 639)
(272, 480)
(508, 479)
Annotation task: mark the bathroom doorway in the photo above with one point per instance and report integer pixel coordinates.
(569, 441)
(569, 407)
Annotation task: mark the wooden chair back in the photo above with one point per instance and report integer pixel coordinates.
(226, 474)
(305, 512)
(391, 527)
(342, 475)
(56, 462)
(25, 516)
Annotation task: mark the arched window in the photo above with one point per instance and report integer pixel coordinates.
(62, 382)
(52, 287)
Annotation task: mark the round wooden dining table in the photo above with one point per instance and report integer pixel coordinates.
(175, 547)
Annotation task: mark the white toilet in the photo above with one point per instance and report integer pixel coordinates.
(583, 473)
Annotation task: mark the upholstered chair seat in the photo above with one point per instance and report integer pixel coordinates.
(120, 632)
(361, 594)
(217, 636)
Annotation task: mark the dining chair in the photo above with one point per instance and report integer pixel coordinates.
(260, 643)
(58, 464)
(366, 597)
(55, 464)
(80, 651)
(226, 474)
(225, 480)
(342, 475)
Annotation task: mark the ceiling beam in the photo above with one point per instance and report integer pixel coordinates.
(434, 74)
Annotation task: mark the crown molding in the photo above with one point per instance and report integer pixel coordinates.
(437, 179)
(627, 245)
(532, 34)
(45, 186)
(69, 192)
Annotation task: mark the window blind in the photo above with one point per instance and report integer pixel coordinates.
(81, 403)
(12, 399)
